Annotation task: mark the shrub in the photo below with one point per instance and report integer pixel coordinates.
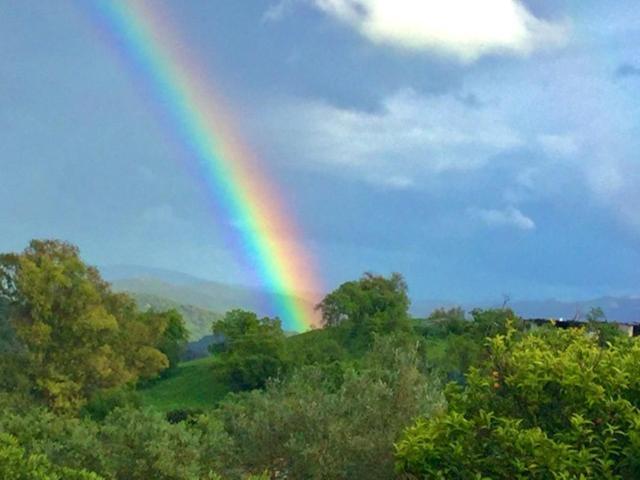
(553, 404)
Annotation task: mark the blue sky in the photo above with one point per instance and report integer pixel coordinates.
(477, 150)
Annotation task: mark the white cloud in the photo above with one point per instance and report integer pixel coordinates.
(278, 10)
(467, 29)
(507, 217)
(411, 137)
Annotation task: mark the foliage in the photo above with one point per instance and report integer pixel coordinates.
(129, 444)
(443, 322)
(330, 403)
(8, 340)
(253, 349)
(106, 401)
(316, 347)
(12, 355)
(552, 404)
(78, 336)
(372, 305)
(142, 445)
(310, 426)
(174, 335)
(494, 321)
(16, 464)
(460, 341)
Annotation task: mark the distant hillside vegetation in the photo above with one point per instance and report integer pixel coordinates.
(186, 290)
(198, 320)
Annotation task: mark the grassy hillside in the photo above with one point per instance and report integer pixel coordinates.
(194, 385)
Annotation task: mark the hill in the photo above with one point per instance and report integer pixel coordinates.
(156, 285)
(198, 320)
(195, 384)
(113, 273)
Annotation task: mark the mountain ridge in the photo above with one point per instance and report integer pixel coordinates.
(219, 297)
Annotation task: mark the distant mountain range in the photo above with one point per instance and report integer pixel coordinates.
(197, 299)
(201, 301)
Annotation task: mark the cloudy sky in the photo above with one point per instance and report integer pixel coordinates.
(480, 148)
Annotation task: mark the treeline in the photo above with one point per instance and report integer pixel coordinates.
(375, 394)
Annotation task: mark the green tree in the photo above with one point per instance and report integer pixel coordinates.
(78, 337)
(252, 351)
(369, 306)
(493, 321)
(442, 322)
(550, 404)
(12, 355)
(174, 335)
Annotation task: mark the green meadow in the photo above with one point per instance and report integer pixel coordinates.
(194, 385)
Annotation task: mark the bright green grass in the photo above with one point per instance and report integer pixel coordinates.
(194, 385)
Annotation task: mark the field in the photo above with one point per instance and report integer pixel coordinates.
(194, 385)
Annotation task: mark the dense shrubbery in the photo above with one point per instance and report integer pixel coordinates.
(322, 425)
(552, 404)
(17, 464)
(461, 339)
(129, 443)
(328, 404)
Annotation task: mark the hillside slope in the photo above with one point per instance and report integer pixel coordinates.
(212, 296)
(198, 320)
(193, 386)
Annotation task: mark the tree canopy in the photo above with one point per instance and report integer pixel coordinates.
(368, 306)
(551, 404)
(78, 337)
(252, 350)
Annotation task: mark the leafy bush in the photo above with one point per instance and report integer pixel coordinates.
(310, 427)
(129, 444)
(553, 404)
(459, 342)
(16, 464)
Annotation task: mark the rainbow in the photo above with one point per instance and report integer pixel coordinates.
(265, 234)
